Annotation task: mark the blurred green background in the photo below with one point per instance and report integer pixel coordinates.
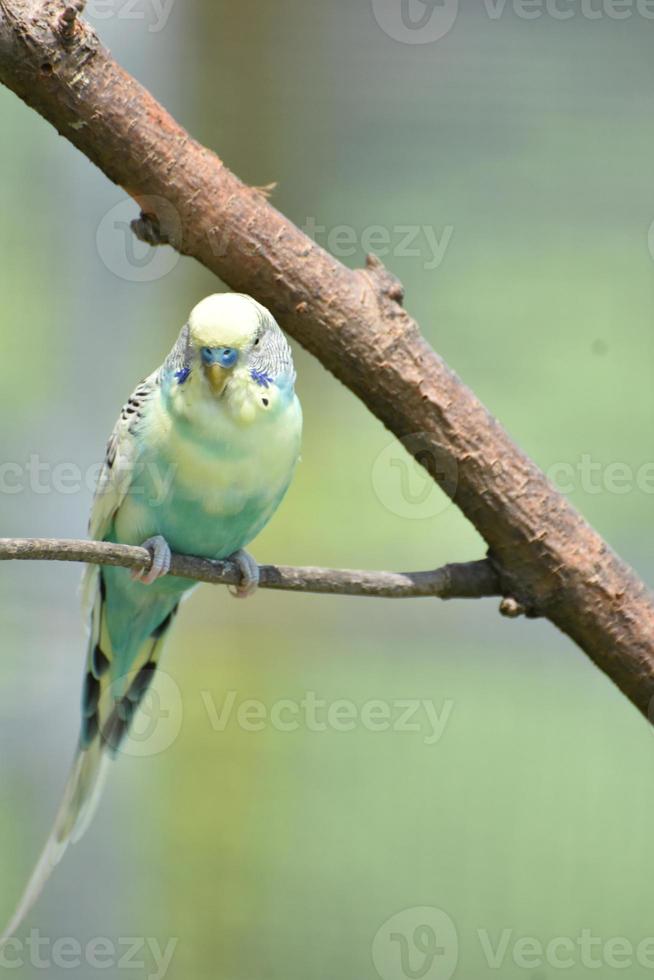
(524, 147)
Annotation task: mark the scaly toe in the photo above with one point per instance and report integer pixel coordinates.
(249, 570)
(161, 557)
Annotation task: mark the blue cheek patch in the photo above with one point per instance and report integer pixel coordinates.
(261, 378)
(182, 375)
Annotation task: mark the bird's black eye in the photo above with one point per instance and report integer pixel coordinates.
(256, 342)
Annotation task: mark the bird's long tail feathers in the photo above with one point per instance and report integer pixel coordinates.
(75, 812)
(108, 706)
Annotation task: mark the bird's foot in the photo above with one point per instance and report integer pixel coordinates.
(161, 556)
(249, 574)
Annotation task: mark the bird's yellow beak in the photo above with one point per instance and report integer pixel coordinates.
(217, 377)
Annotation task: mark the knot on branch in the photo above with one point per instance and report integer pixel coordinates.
(147, 228)
(385, 281)
(511, 608)
(159, 223)
(67, 21)
(515, 602)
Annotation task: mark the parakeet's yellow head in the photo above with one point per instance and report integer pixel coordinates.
(223, 329)
(230, 350)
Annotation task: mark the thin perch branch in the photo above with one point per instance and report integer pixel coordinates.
(470, 580)
(547, 557)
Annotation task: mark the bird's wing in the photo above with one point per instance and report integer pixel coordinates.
(120, 456)
(116, 474)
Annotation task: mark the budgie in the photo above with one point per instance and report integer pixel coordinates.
(218, 425)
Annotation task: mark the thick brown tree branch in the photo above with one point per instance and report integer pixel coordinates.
(471, 580)
(545, 554)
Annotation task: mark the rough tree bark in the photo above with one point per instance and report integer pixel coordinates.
(545, 555)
